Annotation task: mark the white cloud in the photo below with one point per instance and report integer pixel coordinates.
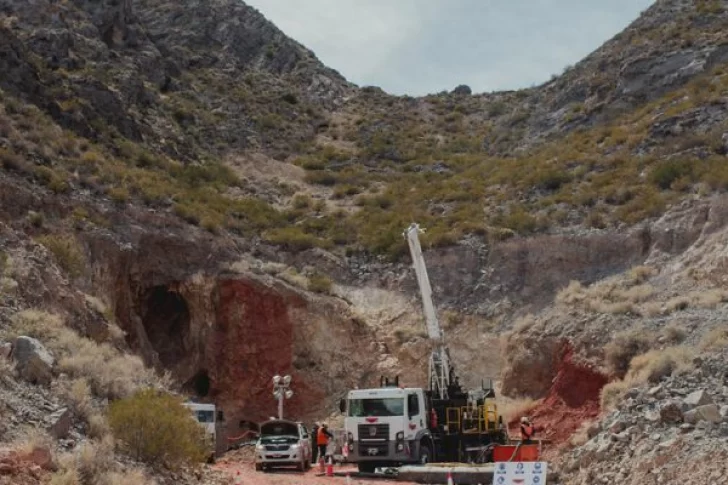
(420, 46)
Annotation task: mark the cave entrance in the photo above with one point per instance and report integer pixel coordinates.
(167, 324)
(199, 384)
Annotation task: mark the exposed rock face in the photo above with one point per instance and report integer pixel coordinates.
(34, 362)
(633, 447)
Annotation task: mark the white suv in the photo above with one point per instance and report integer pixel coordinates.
(283, 443)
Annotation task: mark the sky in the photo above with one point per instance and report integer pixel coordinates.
(417, 47)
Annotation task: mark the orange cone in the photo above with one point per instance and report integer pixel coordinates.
(330, 468)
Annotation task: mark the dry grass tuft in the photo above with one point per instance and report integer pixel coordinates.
(524, 323)
(574, 293)
(648, 368)
(640, 274)
(581, 435)
(78, 394)
(624, 347)
(715, 339)
(678, 303)
(608, 296)
(708, 299)
(658, 364)
(674, 334)
(612, 393)
(109, 373)
(94, 464)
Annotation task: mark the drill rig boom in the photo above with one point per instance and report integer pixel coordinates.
(439, 359)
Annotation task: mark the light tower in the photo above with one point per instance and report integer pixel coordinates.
(281, 390)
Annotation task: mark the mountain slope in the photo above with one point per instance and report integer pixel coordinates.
(239, 206)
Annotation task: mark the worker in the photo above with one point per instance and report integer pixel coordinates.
(322, 439)
(527, 431)
(314, 442)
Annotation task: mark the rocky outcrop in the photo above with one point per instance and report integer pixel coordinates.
(634, 444)
(33, 362)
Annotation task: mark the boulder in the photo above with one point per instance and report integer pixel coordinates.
(59, 423)
(33, 361)
(41, 456)
(697, 398)
(671, 412)
(708, 412)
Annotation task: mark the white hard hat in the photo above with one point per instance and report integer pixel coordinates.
(524, 419)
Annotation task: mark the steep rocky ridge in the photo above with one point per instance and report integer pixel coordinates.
(208, 171)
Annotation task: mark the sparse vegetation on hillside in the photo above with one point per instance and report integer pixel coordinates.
(458, 164)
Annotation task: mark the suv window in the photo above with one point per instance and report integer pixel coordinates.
(304, 432)
(413, 405)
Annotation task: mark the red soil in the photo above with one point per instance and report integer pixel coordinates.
(254, 341)
(572, 400)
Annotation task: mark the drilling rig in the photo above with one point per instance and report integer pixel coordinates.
(394, 425)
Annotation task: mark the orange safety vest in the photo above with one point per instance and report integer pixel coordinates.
(526, 432)
(322, 438)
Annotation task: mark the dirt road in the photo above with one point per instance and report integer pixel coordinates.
(239, 467)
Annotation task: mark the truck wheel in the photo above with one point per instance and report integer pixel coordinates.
(366, 467)
(425, 454)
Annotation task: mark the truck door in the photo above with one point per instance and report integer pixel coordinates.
(415, 414)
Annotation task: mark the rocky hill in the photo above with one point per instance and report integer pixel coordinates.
(186, 172)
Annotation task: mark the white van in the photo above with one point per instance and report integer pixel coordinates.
(206, 415)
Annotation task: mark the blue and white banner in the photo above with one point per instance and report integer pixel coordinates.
(520, 473)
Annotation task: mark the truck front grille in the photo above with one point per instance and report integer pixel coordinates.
(277, 447)
(374, 432)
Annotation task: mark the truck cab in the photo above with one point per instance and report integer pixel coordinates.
(386, 427)
(207, 416)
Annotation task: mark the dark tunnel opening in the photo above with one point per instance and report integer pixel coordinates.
(167, 324)
(199, 384)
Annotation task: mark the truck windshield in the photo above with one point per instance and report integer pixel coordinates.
(205, 416)
(393, 406)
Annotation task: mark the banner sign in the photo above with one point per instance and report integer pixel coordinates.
(520, 473)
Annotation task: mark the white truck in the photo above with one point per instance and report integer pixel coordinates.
(206, 416)
(387, 426)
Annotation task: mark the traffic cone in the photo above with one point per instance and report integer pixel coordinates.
(348, 479)
(449, 478)
(321, 465)
(330, 468)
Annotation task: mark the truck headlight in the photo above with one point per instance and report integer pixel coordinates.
(259, 447)
(399, 436)
(295, 447)
(349, 437)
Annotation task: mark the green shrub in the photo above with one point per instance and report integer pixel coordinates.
(67, 252)
(319, 283)
(291, 238)
(321, 177)
(155, 427)
(667, 172)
